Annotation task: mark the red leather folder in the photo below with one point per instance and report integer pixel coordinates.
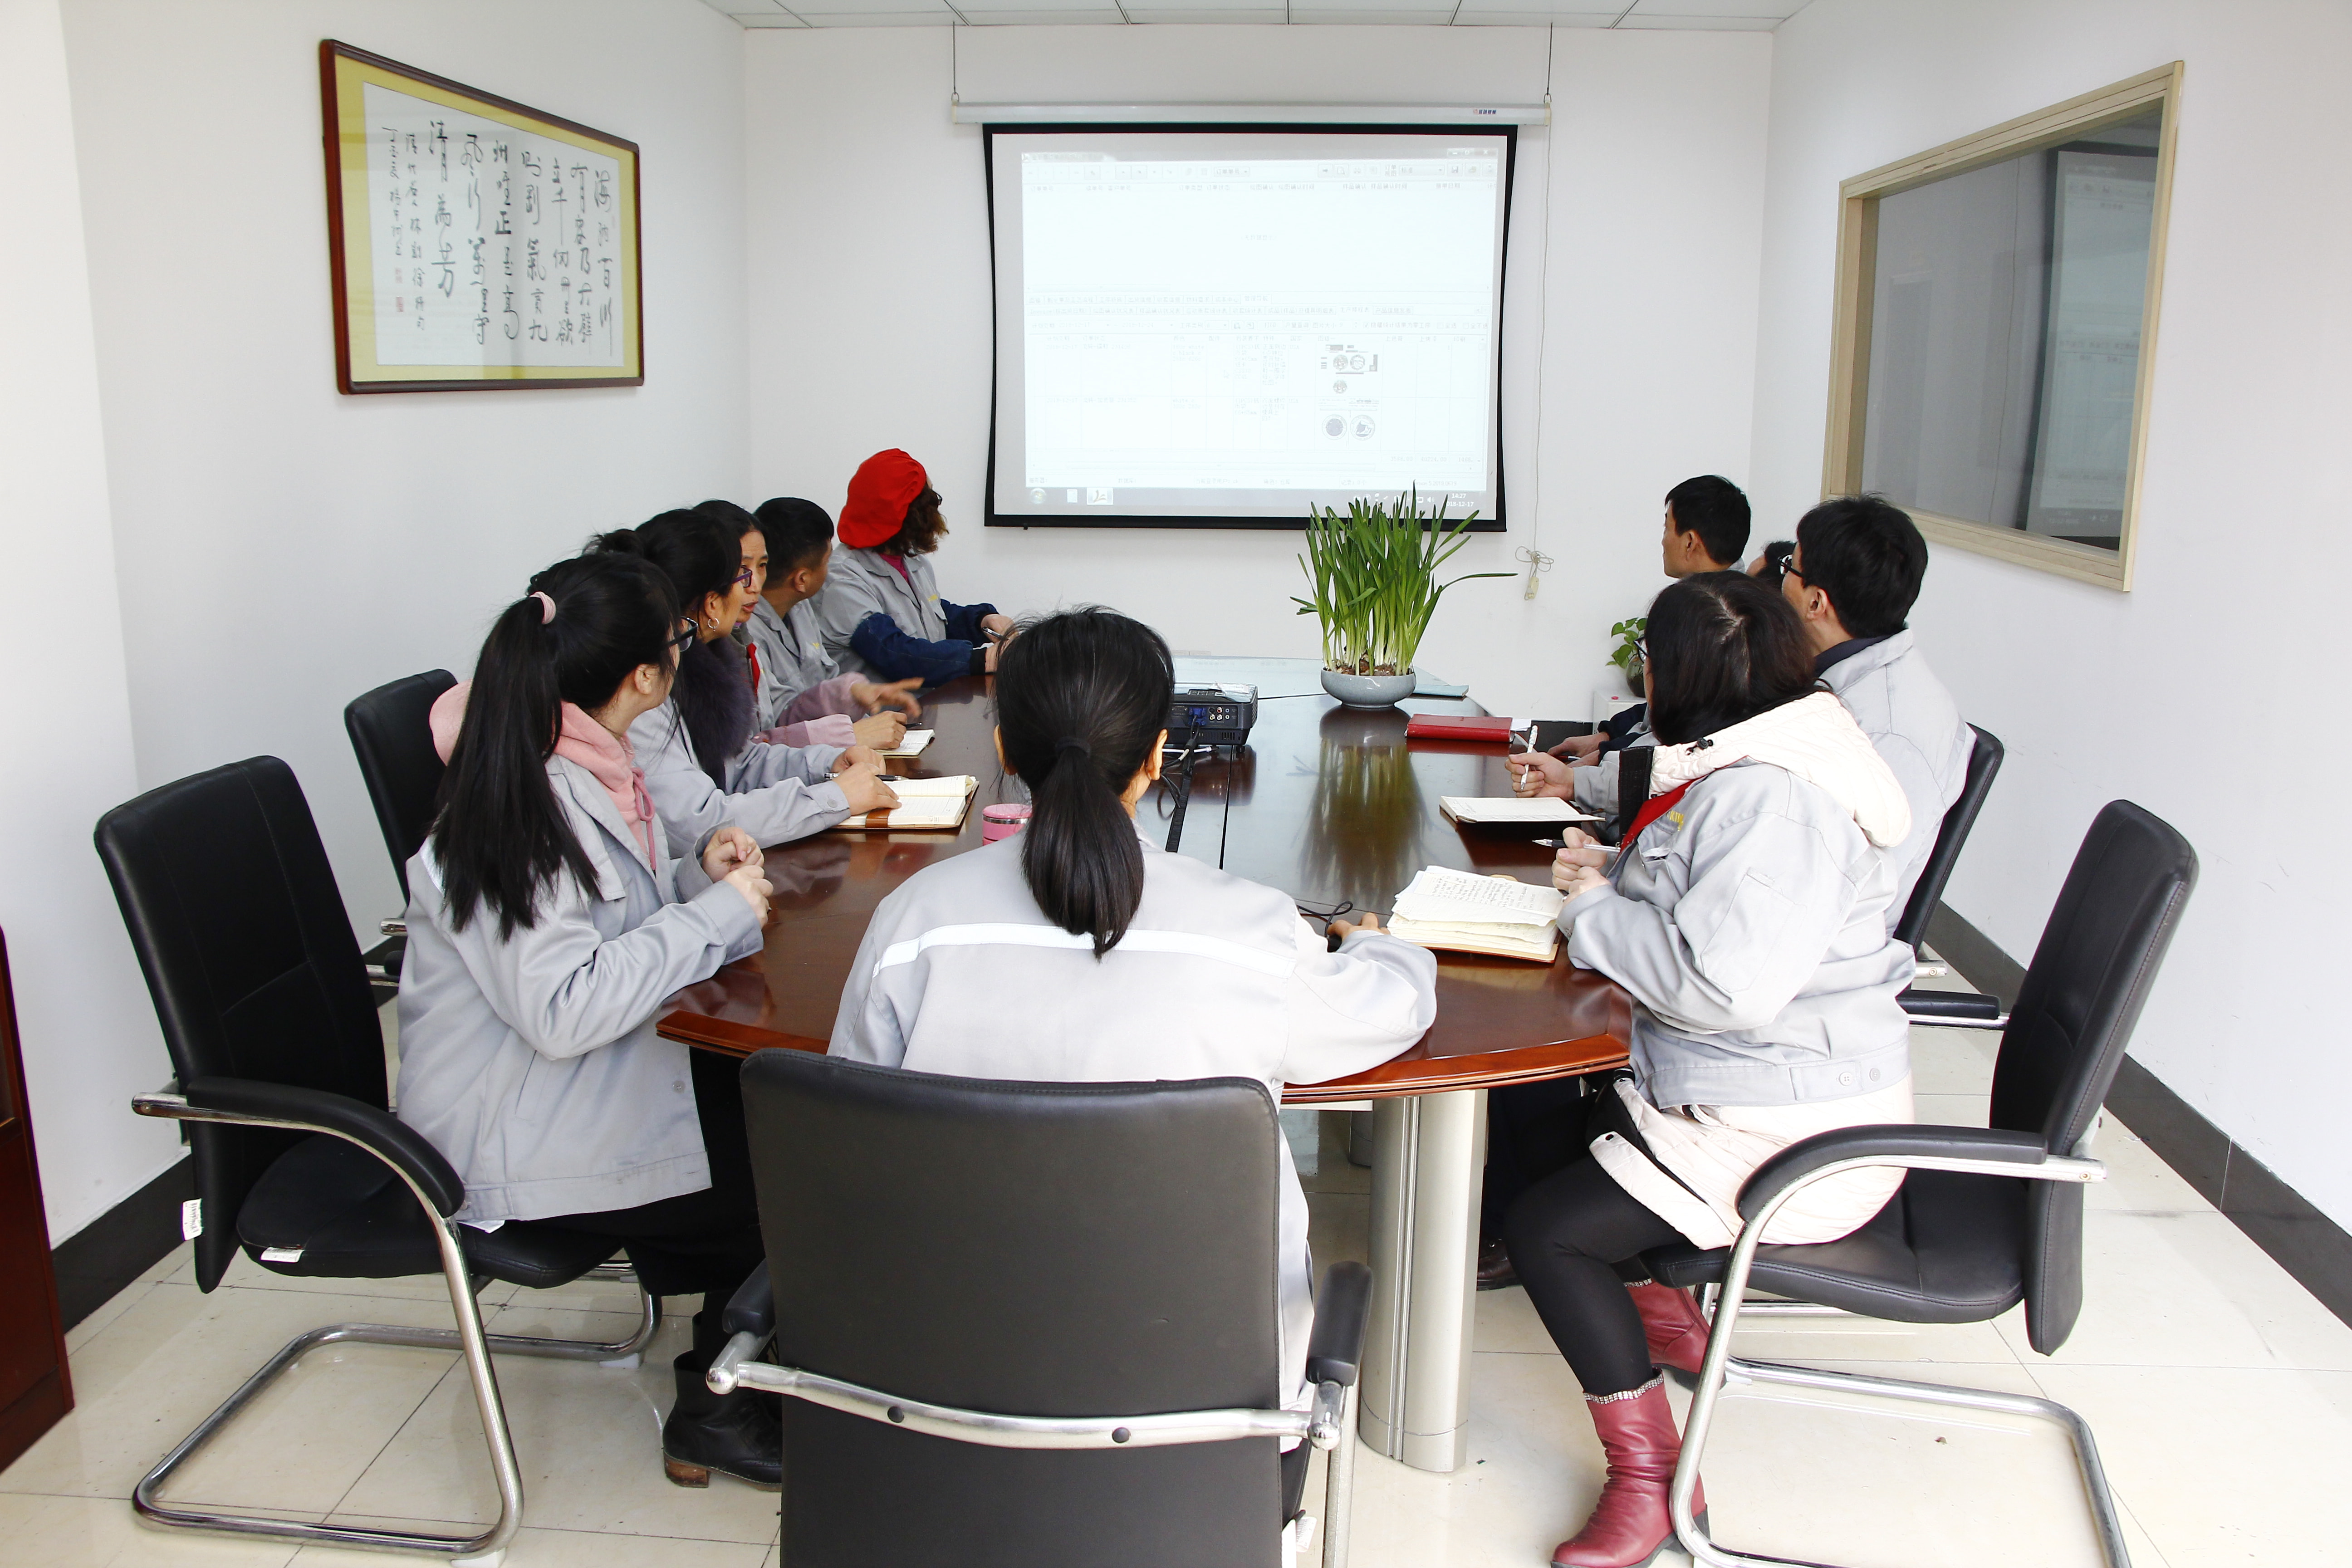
(1458, 727)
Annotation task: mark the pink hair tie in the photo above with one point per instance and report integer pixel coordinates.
(547, 608)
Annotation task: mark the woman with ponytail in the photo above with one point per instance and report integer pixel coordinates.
(1076, 950)
(547, 924)
(702, 763)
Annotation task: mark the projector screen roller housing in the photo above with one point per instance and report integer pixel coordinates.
(1225, 326)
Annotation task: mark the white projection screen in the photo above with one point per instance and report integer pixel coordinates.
(1220, 327)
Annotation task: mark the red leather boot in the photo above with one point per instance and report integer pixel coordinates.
(1670, 1322)
(1630, 1524)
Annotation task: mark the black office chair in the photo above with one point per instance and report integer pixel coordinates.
(1031, 1324)
(393, 737)
(1965, 1239)
(1965, 1009)
(277, 1059)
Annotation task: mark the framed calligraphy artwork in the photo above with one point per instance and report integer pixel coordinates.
(474, 243)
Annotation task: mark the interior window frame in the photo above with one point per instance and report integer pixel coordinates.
(1857, 265)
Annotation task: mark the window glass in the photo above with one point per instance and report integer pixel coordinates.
(2006, 317)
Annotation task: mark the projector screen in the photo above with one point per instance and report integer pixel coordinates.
(1222, 328)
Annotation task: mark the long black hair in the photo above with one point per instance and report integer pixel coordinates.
(499, 837)
(1721, 647)
(699, 555)
(1081, 699)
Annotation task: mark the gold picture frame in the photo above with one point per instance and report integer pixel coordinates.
(1850, 347)
(475, 244)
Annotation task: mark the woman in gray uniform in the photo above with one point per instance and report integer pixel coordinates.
(804, 699)
(701, 762)
(548, 923)
(881, 610)
(1076, 950)
(1745, 913)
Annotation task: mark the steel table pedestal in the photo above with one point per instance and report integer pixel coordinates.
(1429, 1156)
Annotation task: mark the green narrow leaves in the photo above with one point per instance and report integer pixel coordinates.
(1375, 576)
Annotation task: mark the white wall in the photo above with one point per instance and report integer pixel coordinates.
(89, 1039)
(2208, 693)
(284, 547)
(870, 317)
(275, 549)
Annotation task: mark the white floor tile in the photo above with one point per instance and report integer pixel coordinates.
(2221, 1467)
(1951, 1061)
(537, 1548)
(588, 1439)
(2189, 1291)
(2138, 1178)
(144, 1382)
(1839, 1477)
(40, 1532)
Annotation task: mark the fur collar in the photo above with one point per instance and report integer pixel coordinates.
(1815, 739)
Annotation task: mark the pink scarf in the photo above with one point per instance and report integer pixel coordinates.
(584, 741)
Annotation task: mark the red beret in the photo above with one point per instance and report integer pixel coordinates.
(884, 486)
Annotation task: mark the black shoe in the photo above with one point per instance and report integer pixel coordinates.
(1495, 1270)
(728, 1433)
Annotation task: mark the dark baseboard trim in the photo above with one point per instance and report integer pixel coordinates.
(97, 1262)
(2304, 1242)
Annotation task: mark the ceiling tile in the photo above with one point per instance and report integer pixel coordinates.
(1166, 14)
(1090, 14)
(1776, 10)
(929, 10)
(942, 16)
(766, 18)
(1466, 17)
(1360, 15)
(1642, 22)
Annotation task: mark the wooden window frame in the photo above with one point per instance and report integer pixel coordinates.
(1858, 201)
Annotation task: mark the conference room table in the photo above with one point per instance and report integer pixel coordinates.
(1335, 806)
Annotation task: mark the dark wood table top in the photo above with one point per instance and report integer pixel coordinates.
(1329, 803)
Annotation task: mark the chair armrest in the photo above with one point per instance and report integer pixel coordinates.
(752, 1309)
(1949, 1005)
(1341, 1307)
(1896, 1143)
(380, 1132)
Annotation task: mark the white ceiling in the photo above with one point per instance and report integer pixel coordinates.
(1720, 15)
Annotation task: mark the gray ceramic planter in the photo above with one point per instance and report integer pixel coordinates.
(1368, 690)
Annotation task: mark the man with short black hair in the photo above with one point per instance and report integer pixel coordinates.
(1852, 579)
(1706, 528)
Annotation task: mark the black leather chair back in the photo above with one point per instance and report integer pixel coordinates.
(390, 731)
(2075, 1015)
(1023, 1249)
(248, 954)
(1984, 762)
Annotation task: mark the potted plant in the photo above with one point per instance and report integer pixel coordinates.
(1374, 571)
(1627, 655)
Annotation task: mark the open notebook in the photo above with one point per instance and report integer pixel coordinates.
(1461, 911)
(924, 804)
(1511, 810)
(912, 744)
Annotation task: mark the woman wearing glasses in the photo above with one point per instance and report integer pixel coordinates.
(548, 921)
(880, 609)
(702, 765)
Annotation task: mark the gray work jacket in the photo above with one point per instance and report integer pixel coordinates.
(792, 658)
(1750, 925)
(531, 1061)
(862, 583)
(775, 794)
(961, 973)
(1913, 724)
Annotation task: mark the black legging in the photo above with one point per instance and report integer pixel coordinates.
(1576, 1238)
(704, 1242)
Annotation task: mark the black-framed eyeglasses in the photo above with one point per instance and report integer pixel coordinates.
(685, 637)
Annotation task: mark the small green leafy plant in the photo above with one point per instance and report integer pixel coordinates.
(1374, 571)
(1627, 655)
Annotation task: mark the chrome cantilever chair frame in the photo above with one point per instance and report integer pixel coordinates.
(473, 1346)
(1329, 1424)
(1722, 1367)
